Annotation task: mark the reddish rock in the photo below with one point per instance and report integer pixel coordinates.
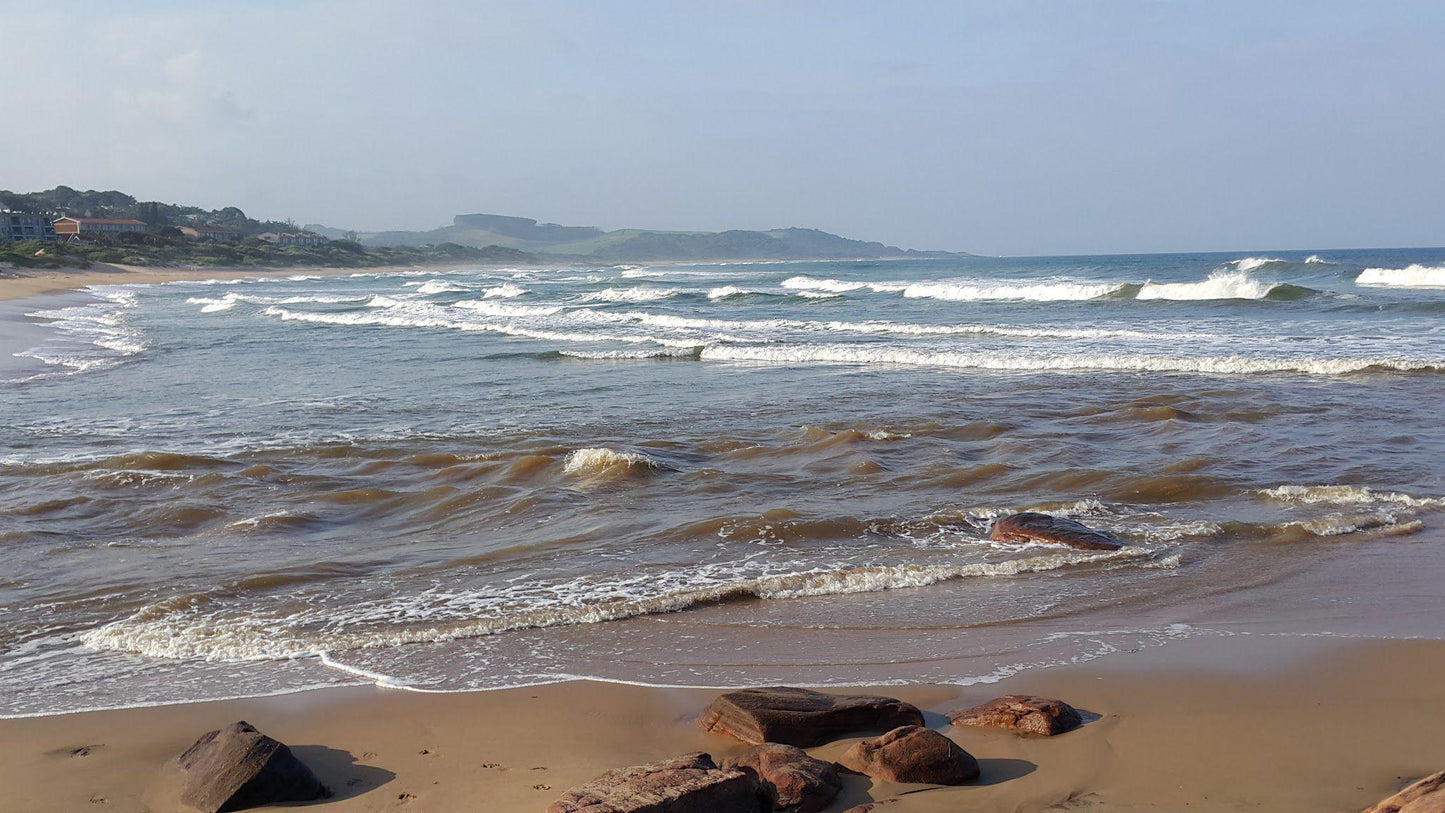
(236, 768)
(789, 778)
(801, 717)
(688, 784)
(1030, 527)
(1022, 713)
(912, 754)
(1425, 796)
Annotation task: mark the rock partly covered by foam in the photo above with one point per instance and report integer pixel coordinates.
(1425, 796)
(911, 754)
(237, 768)
(1031, 527)
(789, 778)
(801, 717)
(688, 784)
(1022, 713)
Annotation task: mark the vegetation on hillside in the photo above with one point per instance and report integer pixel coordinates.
(166, 245)
(163, 249)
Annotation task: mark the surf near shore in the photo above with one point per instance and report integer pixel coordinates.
(19, 283)
(1243, 723)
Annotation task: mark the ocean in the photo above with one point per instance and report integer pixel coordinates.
(711, 474)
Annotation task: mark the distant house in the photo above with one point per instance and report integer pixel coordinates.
(82, 227)
(211, 233)
(298, 238)
(25, 226)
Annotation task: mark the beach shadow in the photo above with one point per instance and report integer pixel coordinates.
(935, 721)
(340, 772)
(998, 771)
(1087, 717)
(856, 791)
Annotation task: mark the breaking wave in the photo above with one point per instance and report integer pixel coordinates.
(1219, 285)
(640, 293)
(1412, 276)
(1221, 365)
(601, 460)
(1234, 284)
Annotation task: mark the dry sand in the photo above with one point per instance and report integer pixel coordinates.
(1243, 723)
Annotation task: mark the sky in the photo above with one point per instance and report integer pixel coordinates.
(1026, 127)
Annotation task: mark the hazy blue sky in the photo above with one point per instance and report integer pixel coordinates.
(998, 127)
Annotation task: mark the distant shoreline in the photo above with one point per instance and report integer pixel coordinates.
(18, 283)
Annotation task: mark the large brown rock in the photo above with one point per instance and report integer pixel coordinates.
(789, 778)
(236, 768)
(801, 717)
(1031, 527)
(1022, 713)
(688, 784)
(1425, 796)
(912, 754)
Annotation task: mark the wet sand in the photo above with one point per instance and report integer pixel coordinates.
(1220, 724)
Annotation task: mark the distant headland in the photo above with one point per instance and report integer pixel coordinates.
(69, 228)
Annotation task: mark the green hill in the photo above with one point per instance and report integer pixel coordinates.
(624, 245)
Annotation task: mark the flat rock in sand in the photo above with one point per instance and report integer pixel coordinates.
(792, 780)
(911, 754)
(688, 784)
(1031, 527)
(801, 717)
(1425, 796)
(237, 768)
(1022, 713)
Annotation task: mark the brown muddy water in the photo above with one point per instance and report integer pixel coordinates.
(709, 475)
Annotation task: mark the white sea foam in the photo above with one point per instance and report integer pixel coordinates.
(728, 291)
(832, 286)
(506, 290)
(491, 308)
(982, 291)
(1411, 276)
(1219, 285)
(436, 286)
(965, 290)
(1222, 365)
(426, 315)
(230, 299)
(640, 293)
(196, 627)
(1348, 495)
(106, 326)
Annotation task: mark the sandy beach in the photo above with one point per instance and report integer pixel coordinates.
(1232, 724)
(17, 283)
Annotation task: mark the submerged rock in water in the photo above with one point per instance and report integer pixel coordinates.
(791, 780)
(802, 717)
(1032, 527)
(688, 784)
(236, 768)
(912, 754)
(1023, 713)
(1425, 796)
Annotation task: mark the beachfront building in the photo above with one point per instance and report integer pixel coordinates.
(83, 228)
(211, 234)
(25, 226)
(300, 238)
